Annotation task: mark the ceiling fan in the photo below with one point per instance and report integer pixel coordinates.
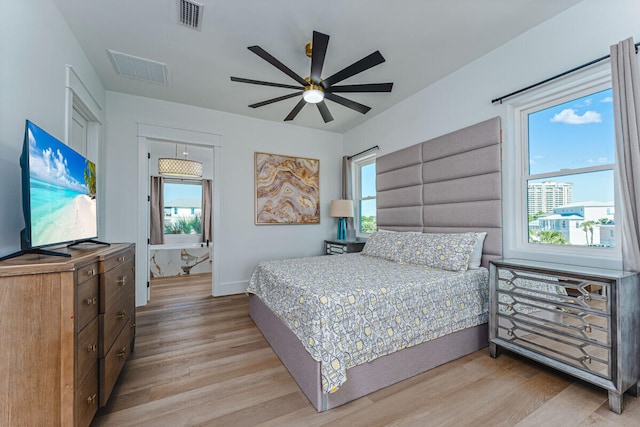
(314, 89)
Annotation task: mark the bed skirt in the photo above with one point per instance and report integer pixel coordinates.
(366, 378)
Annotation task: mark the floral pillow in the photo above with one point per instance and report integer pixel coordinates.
(385, 245)
(447, 251)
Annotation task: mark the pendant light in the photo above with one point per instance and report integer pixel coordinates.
(180, 167)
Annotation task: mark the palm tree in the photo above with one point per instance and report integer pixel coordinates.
(587, 226)
(553, 237)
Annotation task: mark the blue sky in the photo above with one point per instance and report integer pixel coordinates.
(368, 183)
(53, 162)
(174, 191)
(573, 135)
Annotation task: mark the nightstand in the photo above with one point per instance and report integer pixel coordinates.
(336, 247)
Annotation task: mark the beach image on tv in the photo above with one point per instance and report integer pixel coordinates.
(62, 191)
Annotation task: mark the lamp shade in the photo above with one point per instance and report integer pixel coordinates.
(341, 209)
(180, 167)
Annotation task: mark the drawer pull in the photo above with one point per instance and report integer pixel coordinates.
(587, 328)
(122, 353)
(587, 297)
(91, 400)
(510, 332)
(121, 315)
(121, 281)
(587, 359)
(510, 307)
(121, 258)
(91, 272)
(92, 301)
(92, 348)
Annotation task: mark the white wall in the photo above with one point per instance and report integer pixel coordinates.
(35, 47)
(243, 243)
(463, 98)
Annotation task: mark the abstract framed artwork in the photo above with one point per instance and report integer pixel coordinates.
(287, 189)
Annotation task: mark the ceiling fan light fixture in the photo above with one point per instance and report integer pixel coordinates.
(313, 94)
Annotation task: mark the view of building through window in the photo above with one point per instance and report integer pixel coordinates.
(182, 208)
(570, 183)
(367, 198)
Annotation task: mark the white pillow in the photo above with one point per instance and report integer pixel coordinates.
(476, 255)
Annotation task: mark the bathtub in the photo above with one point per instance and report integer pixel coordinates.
(175, 259)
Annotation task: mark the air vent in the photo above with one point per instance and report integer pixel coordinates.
(138, 68)
(190, 14)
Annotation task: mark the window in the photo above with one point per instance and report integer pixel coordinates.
(365, 195)
(568, 145)
(182, 207)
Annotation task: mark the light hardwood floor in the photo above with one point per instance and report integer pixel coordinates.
(200, 361)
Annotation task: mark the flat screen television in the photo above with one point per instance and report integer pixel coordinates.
(58, 194)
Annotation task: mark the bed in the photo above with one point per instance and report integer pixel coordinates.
(448, 186)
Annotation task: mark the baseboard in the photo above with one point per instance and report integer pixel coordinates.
(231, 288)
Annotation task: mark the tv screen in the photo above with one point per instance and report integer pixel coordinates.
(58, 192)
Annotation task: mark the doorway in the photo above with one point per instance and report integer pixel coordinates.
(183, 247)
(184, 252)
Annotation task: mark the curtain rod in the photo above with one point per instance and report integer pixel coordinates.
(375, 147)
(557, 76)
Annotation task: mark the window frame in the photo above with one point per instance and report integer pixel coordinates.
(515, 204)
(358, 164)
(182, 238)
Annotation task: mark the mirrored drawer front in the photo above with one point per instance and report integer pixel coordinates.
(561, 292)
(335, 249)
(586, 355)
(571, 321)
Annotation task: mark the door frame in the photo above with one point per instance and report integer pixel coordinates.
(148, 132)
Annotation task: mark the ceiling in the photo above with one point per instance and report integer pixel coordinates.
(422, 41)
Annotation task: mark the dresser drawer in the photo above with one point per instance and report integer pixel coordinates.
(87, 301)
(117, 314)
(550, 340)
(117, 259)
(87, 272)
(117, 282)
(573, 321)
(86, 397)
(87, 349)
(112, 363)
(561, 291)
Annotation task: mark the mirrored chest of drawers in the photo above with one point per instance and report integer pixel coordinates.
(582, 321)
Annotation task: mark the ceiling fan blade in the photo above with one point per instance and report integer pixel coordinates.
(347, 103)
(318, 52)
(258, 82)
(324, 112)
(292, 115)
(279, 65)
(271, 101)
(371, 87)
(365, 63)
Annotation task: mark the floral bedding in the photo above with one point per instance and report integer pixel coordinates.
(351, 309)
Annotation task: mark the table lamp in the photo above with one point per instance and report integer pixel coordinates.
(341, 209)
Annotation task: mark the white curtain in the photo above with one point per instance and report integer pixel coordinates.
(626, 107)
(156, 210)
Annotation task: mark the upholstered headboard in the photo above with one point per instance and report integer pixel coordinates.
(451, 183)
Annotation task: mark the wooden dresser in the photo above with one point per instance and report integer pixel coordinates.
(67, 326)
